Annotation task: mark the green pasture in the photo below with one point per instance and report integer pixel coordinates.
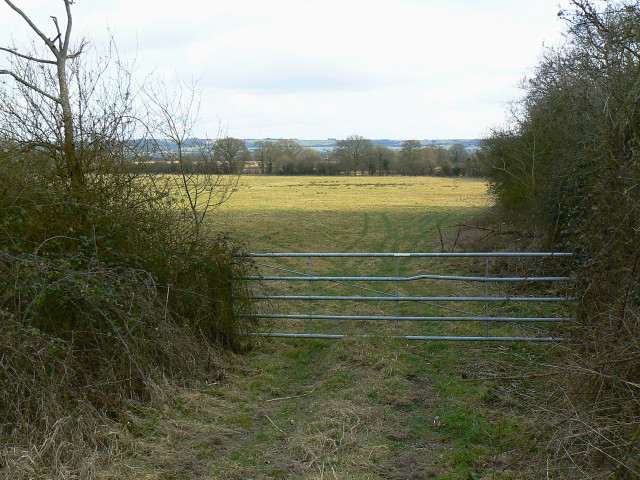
(366, 214)
(350, 214)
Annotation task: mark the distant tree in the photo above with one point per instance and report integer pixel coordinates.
(472, 166)
(458, 153)
(443, 159)
(308, 162)
(410, 156)
(382, 158)
(355, 151)
(263, 156)
(430, 159)
(410, 145)
(287, 155)
(327, 165)
(231, 154)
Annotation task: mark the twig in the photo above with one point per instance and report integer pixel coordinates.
(494, 231)
(292, 396)
(52, 238)
(619, 471)
(516, 377)
(125, 345)
(623, 309)
(523, 456)
(455, 242)
(273, 423)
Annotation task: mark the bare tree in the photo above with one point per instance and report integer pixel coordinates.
(204, 180)
(231, 155)
(53, 93)
(383, 159)
(263, 155)
(410, 156)
(354, 151)
(86, 114)
(287, 156)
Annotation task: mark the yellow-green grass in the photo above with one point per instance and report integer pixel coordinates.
(364, 214)
(347, 213)
(309, 193)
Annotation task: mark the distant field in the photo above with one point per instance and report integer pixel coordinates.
(361, 214)
(347, 213)
(366, 214)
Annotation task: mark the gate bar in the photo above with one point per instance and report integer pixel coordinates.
(414, 337)
(413, 299)
(299, 276)
(408, 279)
(416, 254)
(410, 319)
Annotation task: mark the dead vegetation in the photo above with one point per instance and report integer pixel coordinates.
(103, 303)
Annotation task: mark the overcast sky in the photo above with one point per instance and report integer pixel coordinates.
(326, 68)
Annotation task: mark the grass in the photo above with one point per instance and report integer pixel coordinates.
(347, 213)
(363, 214)
(375, 408)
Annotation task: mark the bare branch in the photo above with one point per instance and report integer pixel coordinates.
(55, 21)
(44, 38)
(78, 52)
(67, 34)
(29, 85)
(26, 57)
(592, 15)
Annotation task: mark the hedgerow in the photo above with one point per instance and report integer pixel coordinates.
(569, 166)
(105, 299)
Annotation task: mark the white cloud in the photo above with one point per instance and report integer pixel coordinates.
(312, 68)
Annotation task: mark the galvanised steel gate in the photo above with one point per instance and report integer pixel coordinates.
(495, 307)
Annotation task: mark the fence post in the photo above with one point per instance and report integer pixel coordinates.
(486, 291)
(310, 301)
(397, 295)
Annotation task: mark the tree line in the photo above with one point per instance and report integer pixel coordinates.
(354, 155)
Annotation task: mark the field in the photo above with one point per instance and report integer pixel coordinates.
(347, 213)
(373, 408)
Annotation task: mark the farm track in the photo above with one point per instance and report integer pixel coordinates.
(361, 409)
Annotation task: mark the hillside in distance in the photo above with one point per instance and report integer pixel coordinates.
(329, 144)
(326, 145)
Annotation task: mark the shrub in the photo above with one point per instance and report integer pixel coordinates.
(103, 298)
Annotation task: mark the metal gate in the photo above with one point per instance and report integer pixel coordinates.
(418, 305)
